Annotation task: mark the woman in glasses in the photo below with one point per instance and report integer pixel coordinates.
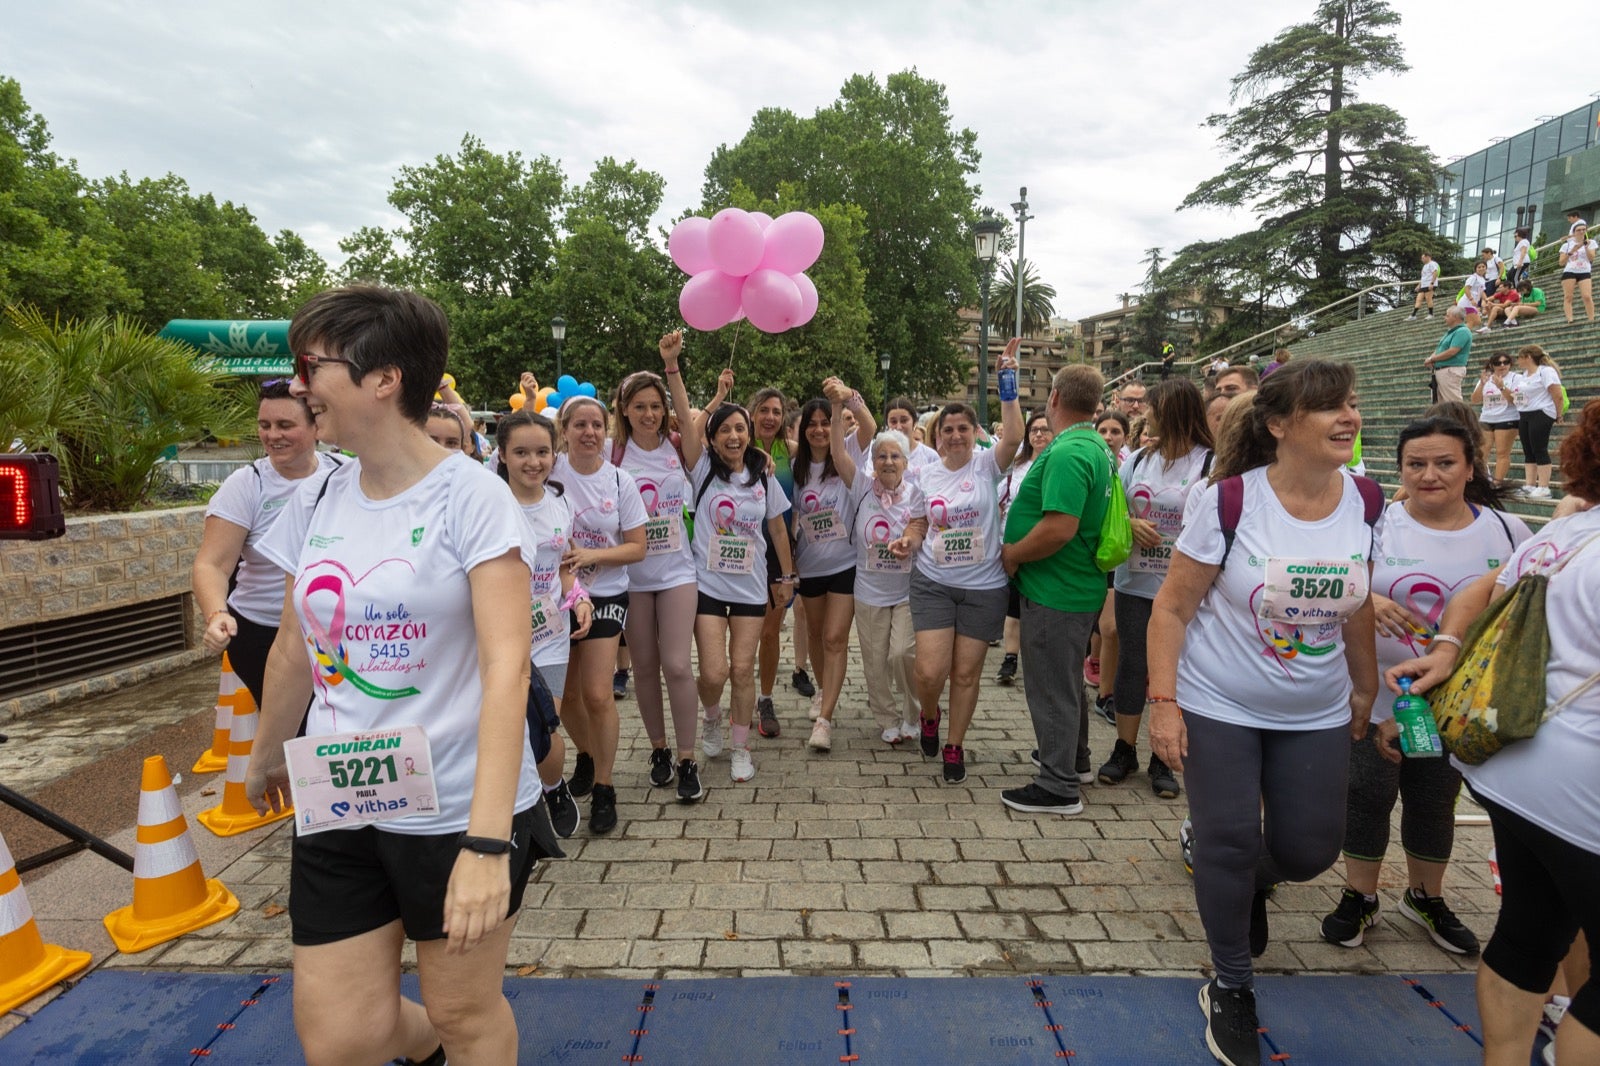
(238, 591)
(1499, 414)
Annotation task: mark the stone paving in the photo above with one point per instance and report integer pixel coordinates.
(861, 861)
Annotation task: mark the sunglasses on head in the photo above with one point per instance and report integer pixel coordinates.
(304, 364)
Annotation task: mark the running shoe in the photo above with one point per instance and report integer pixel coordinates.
(1085, 772)
(1444, 928)
(602, 809)
(1091, 671)
(1232, 1032)
(1411, 318)
(1258, 922)
(1350, 920)
(690, 790)
(766, 717)
(911, 730)
(740, 766)
(893, 735)
(955, 765)
(619, 684)
(1163, 782)
(1031, 799)
(711, 736)
(815, 710)
(660, 767)
(563, 810)
(930, 734)
(1186, 845)
(821, 736)
(582, 779)
(802, 684)
(1008, 671)
(1106, 707)
(1123, 762)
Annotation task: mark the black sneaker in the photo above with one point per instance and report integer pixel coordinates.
(1232, 1032)
(619, 685)
(1258, 922)
(930, 735)
(1444, 928)
(1348, 923)
(660, 767)
(563, 810)
(955, 765)
(436, 1059)
(602, 809)
(802, 684)
(1032, 799)
(1124, 761)
(582, 779)
(766, 717)
(1162, 781)
(690, 790)
(1008, 671)
(1106, 707)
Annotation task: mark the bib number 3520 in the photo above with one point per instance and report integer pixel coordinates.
(1313, 591)
(350, 779)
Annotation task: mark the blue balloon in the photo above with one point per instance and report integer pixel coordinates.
(566, 384)
(554, 401)
(586, 389)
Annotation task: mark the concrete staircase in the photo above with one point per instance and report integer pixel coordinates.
(1393, 384)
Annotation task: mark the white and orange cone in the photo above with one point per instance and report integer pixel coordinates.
(228, 689)
(171, 895)
(28, 965)
(234, 815)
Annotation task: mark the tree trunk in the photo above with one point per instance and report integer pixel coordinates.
(1329, 272)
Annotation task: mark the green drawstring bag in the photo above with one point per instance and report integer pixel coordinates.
(1116, 532)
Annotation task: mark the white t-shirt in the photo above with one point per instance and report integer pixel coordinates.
(385, 607)
(1497, 405)
(549, 522)
(881, 580)
(1582, 255)
(731, 524)
(1421, 569)
(1473, 294)
(1254, 672)
(664, 492)
(1494, 263)
(1430, 274)
(251, 498)
(1551, 778)
(1531, 392)
(921, 455)
(1519, 254)
(605, 505)
(1010, 482)
(1157, 493)
(962, 504)
(821, 523)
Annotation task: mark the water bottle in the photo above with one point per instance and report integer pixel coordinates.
(1008, 383)
(1419, 737)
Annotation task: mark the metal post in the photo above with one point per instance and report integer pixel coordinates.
(983, 348)
(1021, 208)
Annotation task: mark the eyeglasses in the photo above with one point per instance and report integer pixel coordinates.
(1040, 429)
(273, 382)
(304, 364)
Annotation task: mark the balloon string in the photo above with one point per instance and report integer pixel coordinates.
(735, 345)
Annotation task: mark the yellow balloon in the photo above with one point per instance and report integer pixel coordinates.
(517, 400)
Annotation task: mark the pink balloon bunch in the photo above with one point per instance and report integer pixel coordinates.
(747, 264)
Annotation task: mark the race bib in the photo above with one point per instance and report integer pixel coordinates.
(957, 547)
(822, 526)
(663, 535)
(880, 560)
(732, 555)
(1307, 592)
(1154, 560)
(549, 621)
(349, 779)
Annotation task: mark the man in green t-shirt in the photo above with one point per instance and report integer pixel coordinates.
(1449, 360)
(1052, 531)
(1532, 304)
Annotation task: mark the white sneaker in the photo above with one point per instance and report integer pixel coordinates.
(1522, 490)
(816, 707)
(892, 735)
(740, 766)
(821, 736)
(1539, 493)
(911, 730)
(711, 736)
(1481, 329)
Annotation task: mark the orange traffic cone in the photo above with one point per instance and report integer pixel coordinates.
(228, 690)
(171, 895)
(234, 814)
(28, 965)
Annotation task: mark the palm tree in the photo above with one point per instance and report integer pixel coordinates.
(1038, 302)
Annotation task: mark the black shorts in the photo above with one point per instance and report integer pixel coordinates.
(1507, 427)
(1014, 605)
(610, 615)
(843, 584)
(774, 565)
(723, 609)
(346, 882)
(1491, 287)
(542, 717)
(1573, 275)
(1425, 288)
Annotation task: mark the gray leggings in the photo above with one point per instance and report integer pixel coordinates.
(1429, 788)
(660, 626)
(1268, 806)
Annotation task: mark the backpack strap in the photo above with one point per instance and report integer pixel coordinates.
(1205, 465)
(1230, 508)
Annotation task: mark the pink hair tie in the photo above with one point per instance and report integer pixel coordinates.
(578, 593)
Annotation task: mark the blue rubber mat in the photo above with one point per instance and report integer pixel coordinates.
(240, 1020)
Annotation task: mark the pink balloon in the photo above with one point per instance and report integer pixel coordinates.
(709, 300)
(793, 242)
(734, 240)
(762, 219)
(771, 301)
(808, 298)
(687, 245)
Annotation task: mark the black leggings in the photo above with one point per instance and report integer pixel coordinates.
(1133, 619)
(1268, 806)
(247, 653)
(1533, 427)
(1551, 890)
(1429, 788)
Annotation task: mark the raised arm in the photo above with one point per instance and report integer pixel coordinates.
(839, 394)
(692, 439)
(1011, 427)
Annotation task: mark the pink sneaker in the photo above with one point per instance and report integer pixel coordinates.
(1091, 671)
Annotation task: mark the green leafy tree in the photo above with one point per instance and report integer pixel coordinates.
(1327, 174)
(1038, 302)
(371, 256)
(305, 272)
(888, 148)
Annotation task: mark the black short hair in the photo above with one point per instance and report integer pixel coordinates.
(376, 327)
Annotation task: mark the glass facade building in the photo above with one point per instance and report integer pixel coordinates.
(1481, 198)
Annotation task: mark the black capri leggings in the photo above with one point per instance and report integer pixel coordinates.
(1133, 619)
(1533, 427)
(247, 653)
(1427, 788)
(1551, 890)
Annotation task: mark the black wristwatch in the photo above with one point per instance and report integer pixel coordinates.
(485, 845)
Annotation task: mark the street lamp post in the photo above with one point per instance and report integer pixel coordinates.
(883, 364)
(558, 333)
(1021, 208)
(986, 242)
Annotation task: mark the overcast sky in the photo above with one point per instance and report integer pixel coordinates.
(305, 111)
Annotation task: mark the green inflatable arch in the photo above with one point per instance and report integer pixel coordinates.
(246, 348)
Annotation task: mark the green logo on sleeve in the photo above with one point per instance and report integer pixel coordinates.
(416, 536)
